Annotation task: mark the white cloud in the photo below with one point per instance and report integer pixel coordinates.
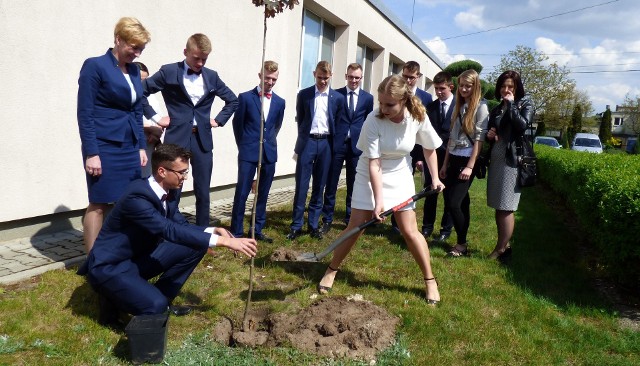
(439, 47)
(556, 52)
(611, 94)
(472, 19)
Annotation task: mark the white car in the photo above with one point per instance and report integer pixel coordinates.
(546, 140)
(586, 142)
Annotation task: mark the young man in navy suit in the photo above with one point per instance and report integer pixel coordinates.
(188, 89)
(246, 129)
(439, 112)
(358, 104)
(317, 110)
(145, 236)
(411, 73)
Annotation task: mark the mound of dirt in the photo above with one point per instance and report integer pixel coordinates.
(284, 255)
(332, 327)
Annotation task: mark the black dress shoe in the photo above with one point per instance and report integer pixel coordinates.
(294, 234)
(325, 227)
(426, 233)
(346, 220)
(315, 233)
(442, 237)
(264, 238)
(179, 310)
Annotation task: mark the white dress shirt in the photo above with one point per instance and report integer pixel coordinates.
(194, 84)
(320, 122)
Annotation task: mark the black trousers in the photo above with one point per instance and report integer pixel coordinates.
(456, 196)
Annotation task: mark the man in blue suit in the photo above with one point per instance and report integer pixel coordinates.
(411, 73)
(439, 112)
(188, 89)
(317, 109)
(247, 130)
(145, 236)
(358, 104)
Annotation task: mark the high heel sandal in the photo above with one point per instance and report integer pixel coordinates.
(433, 302)
(501, 255)
(324, 290)
(455, 252)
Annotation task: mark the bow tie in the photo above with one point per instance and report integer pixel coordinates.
(266, 95)
(191, 72)
(167, 197)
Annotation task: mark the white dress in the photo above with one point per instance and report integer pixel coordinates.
(392, 143)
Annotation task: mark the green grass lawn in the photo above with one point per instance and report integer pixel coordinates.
(540, 309)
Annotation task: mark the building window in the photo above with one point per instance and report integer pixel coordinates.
(618, 121)
(364, 56)
(317, 45)
(394, 68)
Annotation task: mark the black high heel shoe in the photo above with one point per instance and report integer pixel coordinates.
(433, 302)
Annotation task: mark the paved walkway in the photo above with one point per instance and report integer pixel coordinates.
(23, 258)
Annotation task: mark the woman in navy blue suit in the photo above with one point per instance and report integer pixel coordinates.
(110, 122)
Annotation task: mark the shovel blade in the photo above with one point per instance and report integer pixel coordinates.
(307, 257)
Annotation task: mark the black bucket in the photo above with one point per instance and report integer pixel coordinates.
(147, 337)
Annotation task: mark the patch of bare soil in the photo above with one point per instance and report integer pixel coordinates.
(332, 327)
(284, 255)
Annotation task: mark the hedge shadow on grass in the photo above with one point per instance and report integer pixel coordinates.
(548, 259)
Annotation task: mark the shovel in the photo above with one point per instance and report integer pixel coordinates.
(313, 257)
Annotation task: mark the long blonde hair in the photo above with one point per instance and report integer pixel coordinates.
(396, 86)
(468, 123)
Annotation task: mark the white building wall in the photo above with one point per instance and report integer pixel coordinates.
(45, 43)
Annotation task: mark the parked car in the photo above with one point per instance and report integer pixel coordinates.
(546, 140)
(586, 142)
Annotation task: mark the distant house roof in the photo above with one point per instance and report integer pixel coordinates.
(387, 13)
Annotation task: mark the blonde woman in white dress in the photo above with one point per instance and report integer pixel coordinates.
(384, 176)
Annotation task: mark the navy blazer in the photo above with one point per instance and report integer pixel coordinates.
(352, 124)
(304, 114)
(105, 110)
(424, 97)
(443, 129)
(134, 228)
(170, 81)
(246, 127)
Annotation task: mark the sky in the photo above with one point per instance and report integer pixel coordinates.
(600, 45)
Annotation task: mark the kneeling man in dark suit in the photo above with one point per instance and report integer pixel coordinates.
(146, 236)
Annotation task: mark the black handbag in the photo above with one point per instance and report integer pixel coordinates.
(527, 163)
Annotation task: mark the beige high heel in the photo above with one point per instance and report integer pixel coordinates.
(432, 302)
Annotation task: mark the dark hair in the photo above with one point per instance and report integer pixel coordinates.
(168, 153)
(411, 66)
(443, 77)
(517, 81)
(142, 66)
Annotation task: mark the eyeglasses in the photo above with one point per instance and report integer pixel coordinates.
(182, 173)
(411, 77)
(355, 78)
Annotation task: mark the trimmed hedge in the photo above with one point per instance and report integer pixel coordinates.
(604, 192)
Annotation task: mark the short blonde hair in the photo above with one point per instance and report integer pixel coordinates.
(324, 66)
(200, 42)
(270, 66)
(131, 31)
(396, 86)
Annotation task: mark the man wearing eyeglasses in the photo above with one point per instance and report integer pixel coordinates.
(411, 73)
(357, 106)
(145, 236)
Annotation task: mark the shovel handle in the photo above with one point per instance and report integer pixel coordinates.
(423, 193)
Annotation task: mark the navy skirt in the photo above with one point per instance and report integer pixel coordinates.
(120, 165)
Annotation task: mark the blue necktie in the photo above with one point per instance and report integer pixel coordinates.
(352, 108)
